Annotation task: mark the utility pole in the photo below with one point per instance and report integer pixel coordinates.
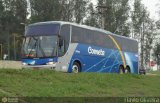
(8, 45)
(157, 61)
(8, 40)
(158, 56)
(142, 48)
(102, 13)
(142, 40)
(14, 37)
(1, 51)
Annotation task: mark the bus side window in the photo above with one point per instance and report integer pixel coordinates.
(64, 39)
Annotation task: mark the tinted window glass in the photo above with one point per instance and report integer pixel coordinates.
(81, 35)
(127, 44)
(42, 30)
(65, 34)
(91, 37)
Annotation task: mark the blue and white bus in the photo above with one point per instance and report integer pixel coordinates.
(70, 47)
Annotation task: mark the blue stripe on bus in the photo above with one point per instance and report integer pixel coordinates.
(109, 62)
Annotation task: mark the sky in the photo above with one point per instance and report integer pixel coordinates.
(152, 6)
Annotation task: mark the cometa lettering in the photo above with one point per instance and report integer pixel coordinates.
(96, 52)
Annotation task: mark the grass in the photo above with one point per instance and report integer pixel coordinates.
(46, 83)
(155, 72)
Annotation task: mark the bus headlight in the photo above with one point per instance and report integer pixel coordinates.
(50, 63)
(24, 63)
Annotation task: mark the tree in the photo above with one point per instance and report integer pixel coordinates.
(157, 45)
(65, 10)
(2, 40)
(45, 10)
(138, 16)
(158, 21)
(158, 24)
(116, 15)
(144, 30)
(157, 52)
(1, 14)
(121, 13)
(149, 36)
(92, 19)
(80, 8)
(13, 13)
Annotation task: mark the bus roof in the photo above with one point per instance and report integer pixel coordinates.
(82, 26)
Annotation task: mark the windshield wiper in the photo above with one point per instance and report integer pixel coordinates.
(41, 49)
(35, 44)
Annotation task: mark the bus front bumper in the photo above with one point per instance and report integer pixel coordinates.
(53, 66)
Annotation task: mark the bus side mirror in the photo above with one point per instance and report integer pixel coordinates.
(60, 42)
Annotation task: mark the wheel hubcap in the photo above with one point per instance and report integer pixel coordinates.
(75, 69)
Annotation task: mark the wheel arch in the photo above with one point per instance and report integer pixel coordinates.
(127, 66)
(121, 65)
(80, 64)
(72, 62)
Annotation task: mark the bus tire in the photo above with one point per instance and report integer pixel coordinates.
(128, 70)
(76, 68)
(121, 69)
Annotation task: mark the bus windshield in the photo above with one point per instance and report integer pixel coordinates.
(39, 47)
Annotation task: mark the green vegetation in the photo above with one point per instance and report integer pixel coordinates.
(46, 83)
(155, 73)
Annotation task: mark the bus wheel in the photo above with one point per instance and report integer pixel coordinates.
(121, 70)
(128, 70)
(76, 67)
